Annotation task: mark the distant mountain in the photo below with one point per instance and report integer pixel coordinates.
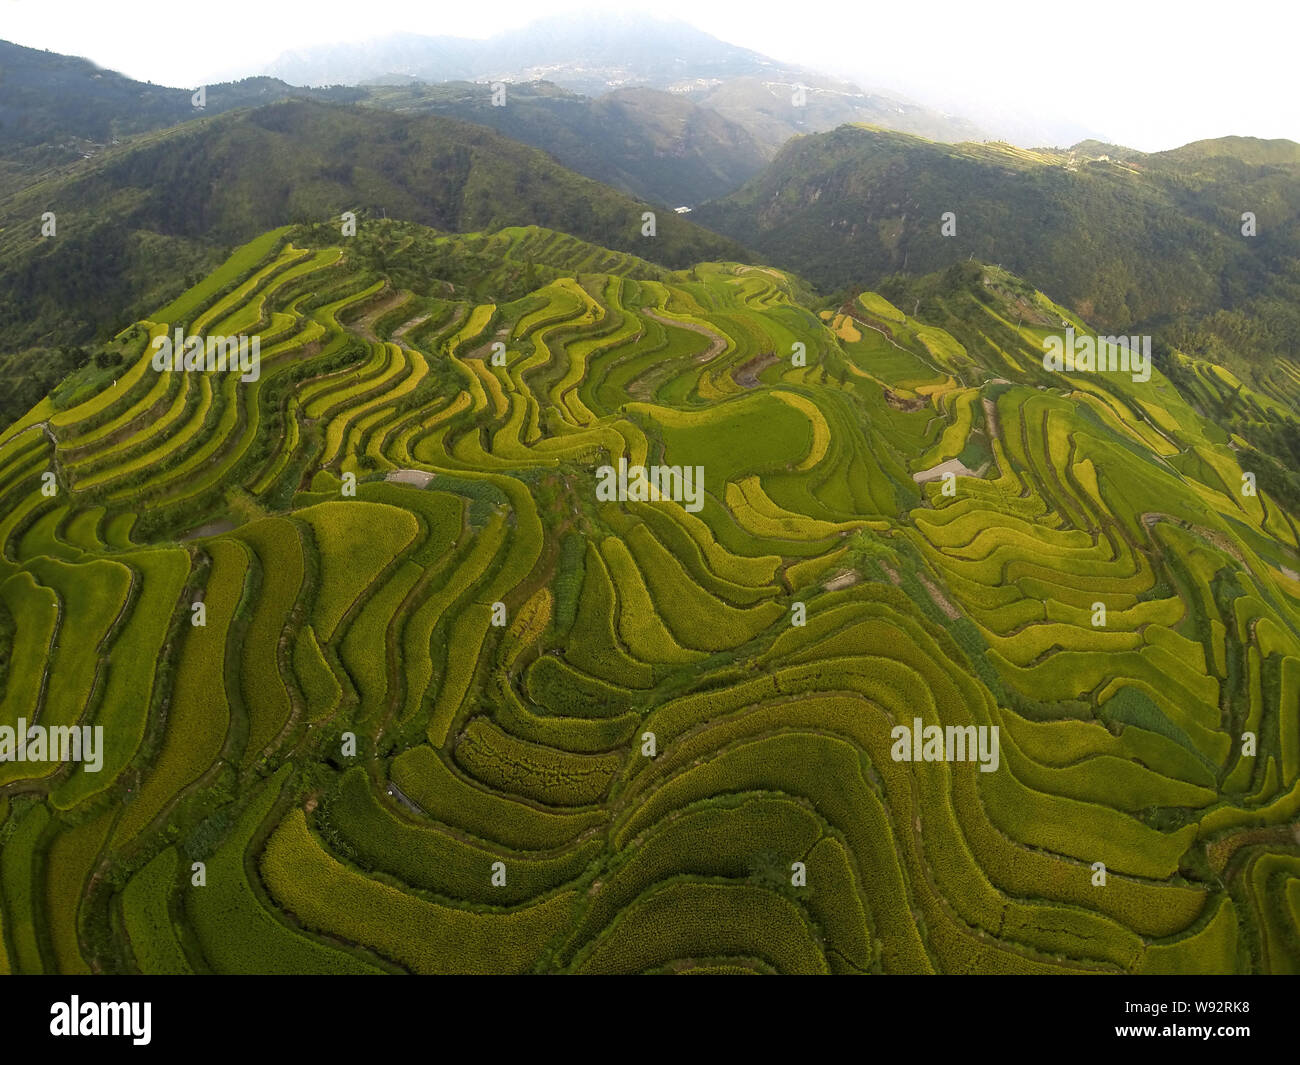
(653, 144)
(55, 107)
(138, 222)
(595, 54)
(1249, 151)
(767, 108)
(656, 145)
(394, 57)
(585, 53)
(1132, 241)
(698, 142)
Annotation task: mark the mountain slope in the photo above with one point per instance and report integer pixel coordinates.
(54, 107)
(598, 53)
(655, 145)
(1129, 240)
(586, 53)
(699, 142)
(472, 713)
(766, 107)
(136, 221)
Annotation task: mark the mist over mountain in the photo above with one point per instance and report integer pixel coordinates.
(583, 53)
(661, 146)
(1020, 122)
(592, 55)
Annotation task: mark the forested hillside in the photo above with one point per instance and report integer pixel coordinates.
(1152, 243)
(139, 223)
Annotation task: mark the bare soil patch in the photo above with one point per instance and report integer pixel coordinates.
(418, 478)
(843, 579)
(747, 375)
(903, 403)
(935, 473)
(940, 600)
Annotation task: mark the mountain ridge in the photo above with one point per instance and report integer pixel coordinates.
(1127, 239)
(137, 220)
(595, 55)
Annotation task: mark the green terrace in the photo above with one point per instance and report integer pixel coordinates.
(410, 734)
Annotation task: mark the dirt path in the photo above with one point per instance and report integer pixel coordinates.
(365, 325)
(1218, 539)
(940, 600)
(410, 324)
(857, 315)
(991, 419)
(718, 342)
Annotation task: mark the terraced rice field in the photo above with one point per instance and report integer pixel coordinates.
(466, 716)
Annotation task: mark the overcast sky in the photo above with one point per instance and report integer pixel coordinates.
(1146, 73)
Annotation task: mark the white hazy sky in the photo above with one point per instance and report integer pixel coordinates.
(1152, 74)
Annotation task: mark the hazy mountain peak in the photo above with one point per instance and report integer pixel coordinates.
(589, 52)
